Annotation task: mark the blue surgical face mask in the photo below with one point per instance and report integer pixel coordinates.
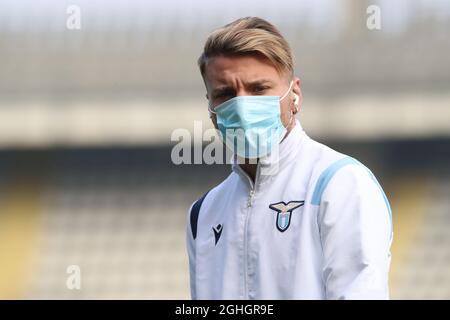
(251, 125)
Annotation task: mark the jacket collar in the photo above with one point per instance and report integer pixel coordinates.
(271, 165)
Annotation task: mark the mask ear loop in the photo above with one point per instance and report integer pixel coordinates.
(211, 111)
(209, 108)
(287, 92)
(292, 117)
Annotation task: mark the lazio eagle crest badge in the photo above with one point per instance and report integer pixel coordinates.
(284, 213)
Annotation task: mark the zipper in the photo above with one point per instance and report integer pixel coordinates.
(250, 198)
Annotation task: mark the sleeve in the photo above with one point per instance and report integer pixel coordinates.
(356, 232)
(190, 244)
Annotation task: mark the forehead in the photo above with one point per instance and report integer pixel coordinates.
(245, 68)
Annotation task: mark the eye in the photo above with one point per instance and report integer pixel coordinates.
(260, 89)
(224, 94)
(221, 95)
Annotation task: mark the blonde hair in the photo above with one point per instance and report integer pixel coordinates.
(246, 36)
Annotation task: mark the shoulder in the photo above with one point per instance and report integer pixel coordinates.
(322, 163)
(347, 175)
(337, 172)
(217, 190)
(352, 193)
(320, 155)
(348, 181)
(344, 175)
(206, 198)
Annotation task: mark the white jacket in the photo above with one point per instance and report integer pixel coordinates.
(320, 228)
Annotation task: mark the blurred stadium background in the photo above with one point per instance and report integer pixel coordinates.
(86, 118)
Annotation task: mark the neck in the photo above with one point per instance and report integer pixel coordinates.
(249, 169)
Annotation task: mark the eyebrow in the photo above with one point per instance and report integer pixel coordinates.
(223, 89)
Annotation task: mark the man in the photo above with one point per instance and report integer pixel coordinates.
(307, 223)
